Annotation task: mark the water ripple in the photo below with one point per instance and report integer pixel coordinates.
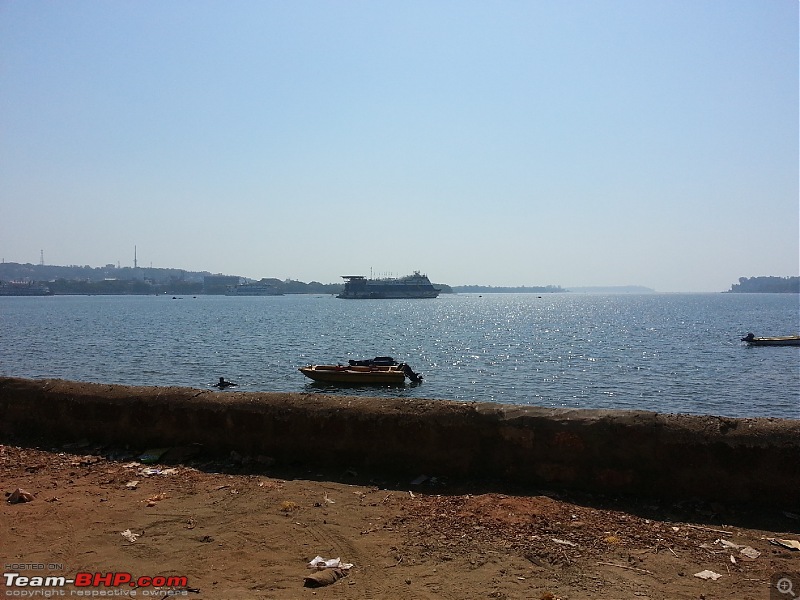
(660, 352)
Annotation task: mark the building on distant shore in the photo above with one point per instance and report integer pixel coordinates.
(219, 284)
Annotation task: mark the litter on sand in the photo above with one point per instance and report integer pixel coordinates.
(708, 575)
(326, 571)
(790, 544)
(129, 535)
(151, 501)
(149, 471)
(18, 496)
(748, 552)
(332, 563)
(323, 578)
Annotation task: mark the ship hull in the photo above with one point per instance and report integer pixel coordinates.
(388, 295)
(355, 375)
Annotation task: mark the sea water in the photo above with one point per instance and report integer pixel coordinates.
(673, 353)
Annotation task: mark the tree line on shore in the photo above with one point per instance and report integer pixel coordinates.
(148, 280)
(771, 285)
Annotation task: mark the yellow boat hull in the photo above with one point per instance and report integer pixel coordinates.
(355, 375)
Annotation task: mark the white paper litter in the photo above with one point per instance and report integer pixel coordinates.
(149, 471)
(129, 535)
(750, 552)
(708, 575)
(746, 551)
(319, 563)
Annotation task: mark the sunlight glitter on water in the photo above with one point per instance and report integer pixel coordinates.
(666, 353)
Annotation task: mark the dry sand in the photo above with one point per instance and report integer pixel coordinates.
(247, 529)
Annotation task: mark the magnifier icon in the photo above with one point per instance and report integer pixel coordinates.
(784, 586)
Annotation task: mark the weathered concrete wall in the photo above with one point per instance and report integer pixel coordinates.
(644, 453)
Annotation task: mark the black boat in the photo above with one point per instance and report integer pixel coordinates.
(786, 340)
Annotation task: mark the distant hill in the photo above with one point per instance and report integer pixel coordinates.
(110, 279)
(140, 280)
(10, 271)
(780, 285)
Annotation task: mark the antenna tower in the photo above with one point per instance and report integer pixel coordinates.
(135, 263)
(41, 257)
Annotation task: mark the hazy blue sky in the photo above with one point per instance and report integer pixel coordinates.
(534, 142)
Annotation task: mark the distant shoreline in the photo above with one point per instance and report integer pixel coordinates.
(115, 280)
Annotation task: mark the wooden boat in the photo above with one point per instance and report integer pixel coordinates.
(786, 340)
(382, 370)
(355, 375)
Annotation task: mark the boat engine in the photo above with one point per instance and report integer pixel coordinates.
(415, 377)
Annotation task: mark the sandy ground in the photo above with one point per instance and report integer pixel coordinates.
(245, 528)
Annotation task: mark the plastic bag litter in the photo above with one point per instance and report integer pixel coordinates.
(320, 563)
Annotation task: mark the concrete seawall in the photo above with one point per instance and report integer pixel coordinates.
(616, 452)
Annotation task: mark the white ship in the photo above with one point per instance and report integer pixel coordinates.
(358, 287)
